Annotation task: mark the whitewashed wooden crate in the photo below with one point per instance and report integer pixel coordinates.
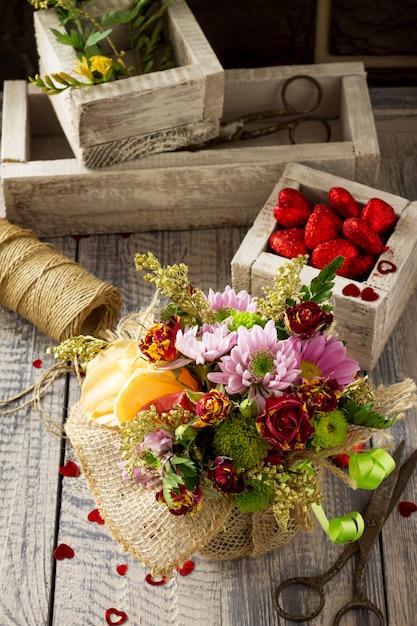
(45, 188)
(364, 325)
(121, 120)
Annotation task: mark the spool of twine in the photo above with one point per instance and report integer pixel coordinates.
(56, 294)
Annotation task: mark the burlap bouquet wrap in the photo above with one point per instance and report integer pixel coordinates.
(146, 529)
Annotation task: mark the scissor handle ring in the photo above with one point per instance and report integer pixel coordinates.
(312, 583)
(359, 604)
(310, 79)
(309, 118)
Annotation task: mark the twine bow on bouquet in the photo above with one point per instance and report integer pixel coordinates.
(224, 406)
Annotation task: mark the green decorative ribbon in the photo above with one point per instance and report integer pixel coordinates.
(368, 469)
(343, 529)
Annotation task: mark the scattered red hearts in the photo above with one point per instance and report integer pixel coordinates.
(186, 569)
(37, 363)
(318, 231)
(69, 469)
(94, 516)
(406, 508)
(369, 295)
(156, 583)
(122, 570)
(115, 617)
(63, 551)
(351, 290)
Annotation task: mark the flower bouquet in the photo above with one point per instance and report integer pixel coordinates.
(208, 429)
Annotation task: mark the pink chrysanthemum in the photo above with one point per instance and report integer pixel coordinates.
(229, 299)
(322, 357)
(206, 344)
(259, 364)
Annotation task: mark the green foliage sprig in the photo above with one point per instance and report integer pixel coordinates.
(87, 34)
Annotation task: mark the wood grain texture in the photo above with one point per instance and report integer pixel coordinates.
(36, 514)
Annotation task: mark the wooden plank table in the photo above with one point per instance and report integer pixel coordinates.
(40, 509)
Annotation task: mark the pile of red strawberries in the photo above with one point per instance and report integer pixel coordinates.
(325, 231)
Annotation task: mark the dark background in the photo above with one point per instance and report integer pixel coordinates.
(255, 33)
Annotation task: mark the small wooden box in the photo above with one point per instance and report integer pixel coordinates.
(121, 120)
(46, 189)
(364, 321)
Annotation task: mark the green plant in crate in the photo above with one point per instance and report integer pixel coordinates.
(99, 59)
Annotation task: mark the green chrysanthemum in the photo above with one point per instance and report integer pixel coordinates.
(330, 429)
(238, 439)
(257, 497)
(244, 318)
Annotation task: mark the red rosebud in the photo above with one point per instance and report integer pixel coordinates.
(225, 477)
(306, 318)
(285, 423)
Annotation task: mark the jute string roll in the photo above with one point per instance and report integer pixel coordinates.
(50, 290)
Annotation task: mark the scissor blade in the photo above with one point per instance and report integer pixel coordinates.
(404, 476)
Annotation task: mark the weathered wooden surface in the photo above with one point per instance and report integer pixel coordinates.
(225, 185)
(40, 509)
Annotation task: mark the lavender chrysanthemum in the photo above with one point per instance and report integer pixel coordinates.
(322, 357)
(229, 299)
(206, 344)
(259, 364)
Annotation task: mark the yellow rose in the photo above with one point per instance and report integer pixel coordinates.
(119, 381)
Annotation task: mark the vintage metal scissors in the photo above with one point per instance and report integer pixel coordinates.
(238, 129)
(380, 507)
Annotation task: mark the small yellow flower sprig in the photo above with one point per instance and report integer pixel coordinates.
(173, 282)
(286, 286)
(291, 488)
(79, 350)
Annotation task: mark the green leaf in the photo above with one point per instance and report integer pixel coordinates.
(321, 287)
(97, 36)
(365, 415)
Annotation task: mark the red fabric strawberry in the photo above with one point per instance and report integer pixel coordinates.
(379, 215)
(357, 230)
(322, 225)
(325, 252)
(342, 201)
(293, 209)
(289, 242)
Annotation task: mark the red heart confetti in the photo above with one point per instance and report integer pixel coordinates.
(351, 290)
(115, 617)
(94, 516)
(122, 570)
(37, 363)
(406, 508)
(386, 267)
(380, 215)
(63, 551)
(322, 225)
(288, 243)
(342, 201)
(69, 469)
(186, 569)
(369, 295)
(156, 583)
(293, 209)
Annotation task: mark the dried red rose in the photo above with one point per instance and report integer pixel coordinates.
(159, 342)
(225, 477)
(212, 408)
(185, 501)
(285, 423)
(306, 318)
